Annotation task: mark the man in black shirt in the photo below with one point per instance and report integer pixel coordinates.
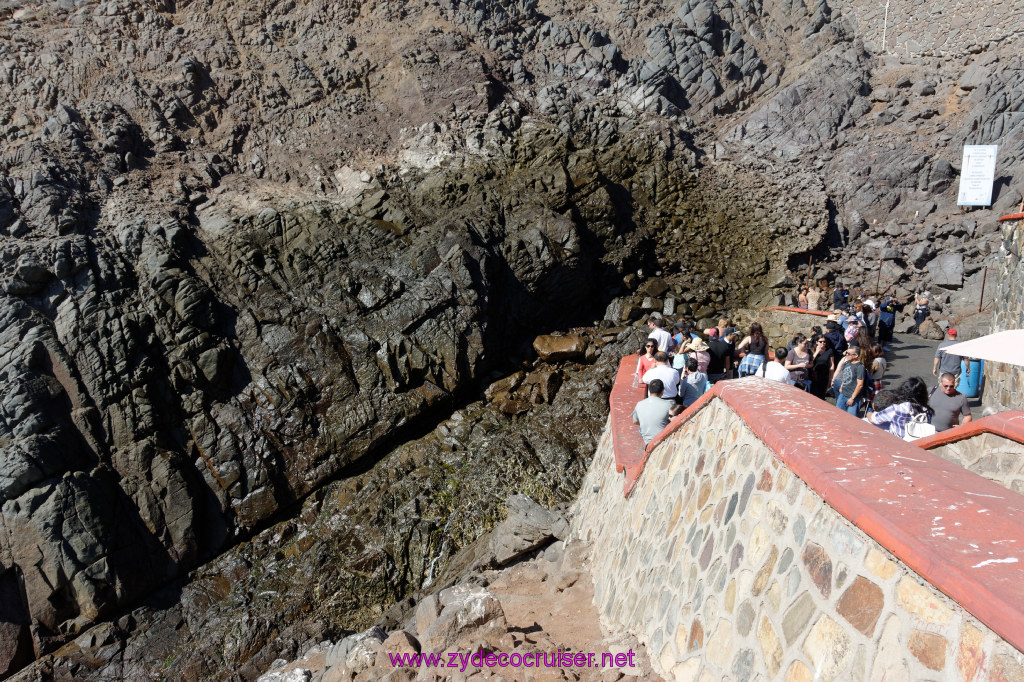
(840, 297)
(721, 351)
(834, 333)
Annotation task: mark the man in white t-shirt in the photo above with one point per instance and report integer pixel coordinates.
(776, 370)
(663, 371)
(663, 338)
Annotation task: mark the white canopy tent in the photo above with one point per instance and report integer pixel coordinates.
(1006, 346)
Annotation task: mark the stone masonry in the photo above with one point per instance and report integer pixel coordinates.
(991, 455)
(1003, 382)
(728, 566)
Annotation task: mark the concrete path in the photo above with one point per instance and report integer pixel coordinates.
(910, 355)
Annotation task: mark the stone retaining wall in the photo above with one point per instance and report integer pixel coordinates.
(783, 324)
(995, 457)
(1003, 382)
(727, 565)
(992, 447)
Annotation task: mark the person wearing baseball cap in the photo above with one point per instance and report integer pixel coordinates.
(947, 362)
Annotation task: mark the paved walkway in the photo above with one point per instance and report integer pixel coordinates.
(910, 355)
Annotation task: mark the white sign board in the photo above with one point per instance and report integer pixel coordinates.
(977, 174)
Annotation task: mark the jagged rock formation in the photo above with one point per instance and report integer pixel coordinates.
(360, 547)
(538, 606)
(242, 248)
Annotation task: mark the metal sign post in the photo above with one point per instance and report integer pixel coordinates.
(981, 299)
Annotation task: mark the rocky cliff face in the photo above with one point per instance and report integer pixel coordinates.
(245, 248)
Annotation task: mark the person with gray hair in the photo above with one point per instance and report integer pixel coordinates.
(921, 310)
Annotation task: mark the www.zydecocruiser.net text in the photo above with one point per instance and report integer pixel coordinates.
(532, 659)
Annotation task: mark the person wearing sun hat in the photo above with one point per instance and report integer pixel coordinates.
(699, 348)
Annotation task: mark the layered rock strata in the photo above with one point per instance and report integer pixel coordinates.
(245, 247)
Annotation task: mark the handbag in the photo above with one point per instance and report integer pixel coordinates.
(918, 427)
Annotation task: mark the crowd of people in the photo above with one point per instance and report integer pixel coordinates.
(844, 359)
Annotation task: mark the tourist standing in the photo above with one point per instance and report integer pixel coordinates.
(834, 333)
(852, 329)
(721, 351)
(699, 350)
(776, 370)
(949, 404)
(660, 336)
(646, 360)
(871, 318)
(799, 361)
(756, 345)
(669, 377)
(887, 319)
(851, 382)
(878, 367)
(921, 310)
(694, 383)
(679, 340)
(722, 328)
(651, 413)
(823, 363)
(947, 362)
(812, 298)
(840, 297)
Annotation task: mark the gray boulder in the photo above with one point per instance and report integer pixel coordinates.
(966, 299)
(427, 612)
(923, 88)
(904, 326)
(465, 609)
(921, 254)
(527, 527)
(356, 652)
(622, 310)
(978, 73)
(931, 330)
(947, 270)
